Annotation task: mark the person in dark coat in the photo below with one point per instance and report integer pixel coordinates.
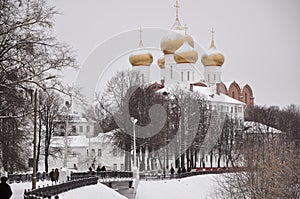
(172, 171)
(52, 177)
(103, 168)
(98, 169)
(183, 170)
(56, 175)
(179, 171)
(5, 190)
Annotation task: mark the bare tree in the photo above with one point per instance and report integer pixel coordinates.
(29, 56)
(270, 161)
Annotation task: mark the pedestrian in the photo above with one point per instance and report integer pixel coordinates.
(98, 168)
(179, 171)
(52, 178)
(103, 168)
(183, 170)
(172, 170)
(5, 190)
(56, 175)
(90, 169)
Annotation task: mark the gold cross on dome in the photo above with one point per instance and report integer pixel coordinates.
(141, 40)
(176, 6)
(185, 29)
(212, 34)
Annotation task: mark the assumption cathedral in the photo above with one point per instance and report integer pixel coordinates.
(180, 65)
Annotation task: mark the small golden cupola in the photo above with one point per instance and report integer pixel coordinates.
(175, 37)
(161, 62)
(213, 57)
(141, 57)
(186, 53)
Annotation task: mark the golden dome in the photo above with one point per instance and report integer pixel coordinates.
(161, 62)
(213, 57)
(143, 58)
(173, 40)
(185, 54)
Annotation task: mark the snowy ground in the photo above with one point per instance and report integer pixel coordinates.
(196, 187)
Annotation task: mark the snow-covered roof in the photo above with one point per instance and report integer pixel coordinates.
(73, 141)
(210, 95)
(256, 127)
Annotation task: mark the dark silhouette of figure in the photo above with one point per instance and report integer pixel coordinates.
(172, 171)
(98, 168)
(179, 171)
(5, 190)
(183, 170)
(103, 168)
(52, 178)
(56, 175)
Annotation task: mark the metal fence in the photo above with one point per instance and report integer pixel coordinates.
(53, 191)
(102, 174)
(27, 177)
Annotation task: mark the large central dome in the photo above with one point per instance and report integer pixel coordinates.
(173, 40)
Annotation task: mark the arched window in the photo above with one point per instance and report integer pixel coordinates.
(246, 98)
(232, 94)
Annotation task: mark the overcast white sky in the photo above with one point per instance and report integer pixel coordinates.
(259, 38)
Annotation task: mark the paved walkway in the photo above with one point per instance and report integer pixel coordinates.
(123, 189)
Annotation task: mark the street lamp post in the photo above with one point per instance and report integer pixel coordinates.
(68, 105)
(134, 121)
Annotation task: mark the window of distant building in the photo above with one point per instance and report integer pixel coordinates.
(171, 68)
(246, 98)
(73, 129)
(93, 152)
(99, 153)
(87, 129)
(232, 94)
(182, 76)
(122, 167)
(240, 109)
(87, 152)
(214, 77)
(80, 129)
(188, 76)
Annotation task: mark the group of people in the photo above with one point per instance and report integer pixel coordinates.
(92, 168)
(54, 175)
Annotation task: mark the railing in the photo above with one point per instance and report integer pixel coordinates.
(53, 191)
(183, 175)
(102, 174)
(27, 177)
